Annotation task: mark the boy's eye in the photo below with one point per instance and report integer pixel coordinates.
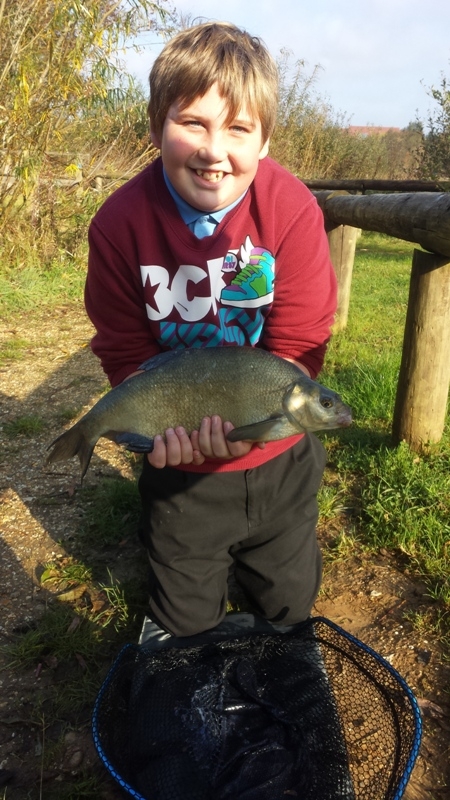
(242, 127)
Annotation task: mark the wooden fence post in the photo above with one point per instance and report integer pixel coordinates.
(422, 391)
(342, 243)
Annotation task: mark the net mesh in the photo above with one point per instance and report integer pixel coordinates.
(310, 713)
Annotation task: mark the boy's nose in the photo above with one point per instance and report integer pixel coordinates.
(212, 149)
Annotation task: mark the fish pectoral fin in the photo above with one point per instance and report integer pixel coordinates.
(131, 441)
(267, 430)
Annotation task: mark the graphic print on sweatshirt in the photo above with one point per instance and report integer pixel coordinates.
(225, 302)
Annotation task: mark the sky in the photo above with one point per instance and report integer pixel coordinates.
(377, 59)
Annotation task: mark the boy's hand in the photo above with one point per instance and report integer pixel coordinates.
(177, 449)
(210, 441)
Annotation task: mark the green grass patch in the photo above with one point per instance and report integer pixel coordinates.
(400, 500)
(83, 621)
(59, 636)
(80, 633)
(406, 504)
(12, 350)
(66, 414)
(29, 425)
(82, 787)
(24, 288)
(110, 510)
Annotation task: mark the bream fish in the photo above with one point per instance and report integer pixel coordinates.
(264, 396)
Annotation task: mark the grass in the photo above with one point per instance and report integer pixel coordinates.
(107, 509)
(66, 414)
(27, 288)
(374, 494)
(77, 625)
(401, 500)
(12, 350)
(43, 261)
(28, 425)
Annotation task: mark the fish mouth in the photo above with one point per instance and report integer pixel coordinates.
(345, 418)
(211, 175)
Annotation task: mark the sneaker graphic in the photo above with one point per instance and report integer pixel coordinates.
(253, 285)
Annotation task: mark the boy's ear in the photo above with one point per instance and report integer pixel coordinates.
(155, 139)
(264, 150)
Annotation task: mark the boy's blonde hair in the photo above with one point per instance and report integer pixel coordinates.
(215, 52)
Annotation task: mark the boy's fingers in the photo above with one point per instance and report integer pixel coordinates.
(198, 457)
(210, 442)
(204, 437)
(185, 446)
(173, 448)
(177, 449)
(157, 458)
(219, 444)
(213, 442)
(212, 439)
(236, 449)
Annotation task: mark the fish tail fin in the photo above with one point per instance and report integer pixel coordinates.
(69, 444)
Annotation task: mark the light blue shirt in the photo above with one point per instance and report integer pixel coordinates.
(201, 223)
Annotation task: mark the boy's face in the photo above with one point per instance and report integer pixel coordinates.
(210, 162)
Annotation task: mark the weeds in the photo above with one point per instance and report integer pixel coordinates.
(28, 425)
(331, 501)
(12, 350)
(59, 636)
(110, 508)
(26, 288)
(66, 414)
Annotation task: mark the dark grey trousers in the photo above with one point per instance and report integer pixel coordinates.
(195, 525)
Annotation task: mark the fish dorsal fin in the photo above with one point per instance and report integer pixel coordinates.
(267, 430)
(160, 359)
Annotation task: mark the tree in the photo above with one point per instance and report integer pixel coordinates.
(61, 77)
(434, 154)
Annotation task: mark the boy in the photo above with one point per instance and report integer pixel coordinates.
(215, 244)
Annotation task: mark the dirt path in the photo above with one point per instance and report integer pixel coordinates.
(40, 510)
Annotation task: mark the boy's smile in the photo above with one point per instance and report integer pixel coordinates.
(210, 161)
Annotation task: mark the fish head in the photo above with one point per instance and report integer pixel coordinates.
(312, 407)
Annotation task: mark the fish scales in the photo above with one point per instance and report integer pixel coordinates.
(264, 396)
(182, 392)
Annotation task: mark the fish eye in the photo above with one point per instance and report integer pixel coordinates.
(326, 402)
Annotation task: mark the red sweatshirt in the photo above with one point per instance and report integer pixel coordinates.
(263, 278)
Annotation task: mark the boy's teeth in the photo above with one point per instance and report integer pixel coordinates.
(210, 176)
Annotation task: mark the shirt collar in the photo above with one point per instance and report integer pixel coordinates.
(190, 214)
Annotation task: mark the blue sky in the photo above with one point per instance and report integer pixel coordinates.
(377, 58)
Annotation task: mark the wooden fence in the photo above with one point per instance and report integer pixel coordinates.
(363, 185)
(424, 378)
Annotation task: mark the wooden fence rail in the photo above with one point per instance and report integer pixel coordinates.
(424, 378)
(363, 185)
(423, 218)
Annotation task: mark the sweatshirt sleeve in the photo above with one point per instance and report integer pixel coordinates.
(115, 304)
(305, 291)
